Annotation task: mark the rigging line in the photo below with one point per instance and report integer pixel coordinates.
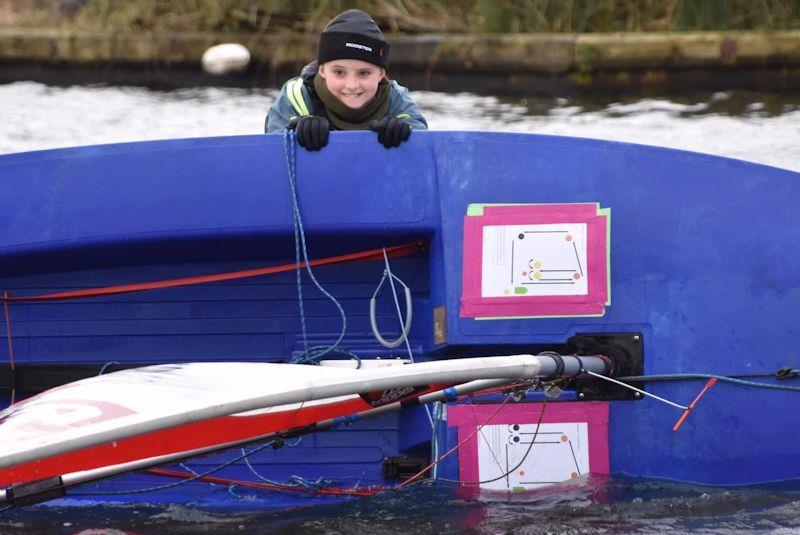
(402, 326)
(301, 485)
(203, 476)
(288, 146)
(106, 366)
(11, 346)
(291, 171)
(290, 150)
(525, 456)
(438, 416)
(454, 448)
(367, 255)
(245, 456)
(255, 472)
(514, 386)
(489, 446)
(397, 305)
(486, 440)
(181, 482)
(642, 392)
(290, 157)
(691, 376)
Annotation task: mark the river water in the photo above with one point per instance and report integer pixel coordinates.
(586, 506)
(759, 127)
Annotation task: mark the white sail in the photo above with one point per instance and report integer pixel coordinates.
(135, 402)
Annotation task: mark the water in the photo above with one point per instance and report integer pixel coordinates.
(753, 126)
(758, 127)
(596, 505)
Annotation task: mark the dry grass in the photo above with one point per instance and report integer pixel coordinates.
(407, 16)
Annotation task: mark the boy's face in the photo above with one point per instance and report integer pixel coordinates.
(352, 81)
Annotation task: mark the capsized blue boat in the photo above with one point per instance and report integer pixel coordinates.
(676, 266)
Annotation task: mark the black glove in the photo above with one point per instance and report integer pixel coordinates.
(391, 131)
(312, 131)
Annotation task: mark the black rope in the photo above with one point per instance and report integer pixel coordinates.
(527, 452)
(787, 372)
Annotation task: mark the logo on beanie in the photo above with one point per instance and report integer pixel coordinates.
(358, 46)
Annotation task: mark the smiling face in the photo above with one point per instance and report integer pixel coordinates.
(352, 81)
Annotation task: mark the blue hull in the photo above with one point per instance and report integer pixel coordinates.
(701, 266)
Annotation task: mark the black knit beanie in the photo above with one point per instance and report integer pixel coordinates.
(353, 35)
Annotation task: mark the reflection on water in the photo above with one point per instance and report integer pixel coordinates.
(760, 127)
(590, 505)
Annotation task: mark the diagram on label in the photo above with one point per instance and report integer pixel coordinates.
(514, 457)
(534, 260)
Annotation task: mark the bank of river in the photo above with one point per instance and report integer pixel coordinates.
(550, 64)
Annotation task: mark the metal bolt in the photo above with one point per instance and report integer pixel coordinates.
(581, 395)
(637, 394)
(636, 337)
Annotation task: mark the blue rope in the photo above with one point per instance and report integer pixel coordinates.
(688, 376)
(291, 160)
(242, 497)
(294, 481)
(309, 355)
(437, 417)
(177, 483)
(256, 473)
(317, 484)
(106, 365)
(182, 465)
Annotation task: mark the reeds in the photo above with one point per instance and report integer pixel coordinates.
(407, 16)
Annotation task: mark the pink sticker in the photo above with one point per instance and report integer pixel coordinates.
(468, 416)
(535, 260)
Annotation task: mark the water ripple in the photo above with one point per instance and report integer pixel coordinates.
(759, 127)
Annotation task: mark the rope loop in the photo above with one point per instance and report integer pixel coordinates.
(373, 320)
(308, 356)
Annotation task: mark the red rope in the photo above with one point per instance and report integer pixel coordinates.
(711, 382)
(330, 491)
(371, 254)
(10, 346)
(454, 448)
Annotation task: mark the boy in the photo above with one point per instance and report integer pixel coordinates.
(346, 89)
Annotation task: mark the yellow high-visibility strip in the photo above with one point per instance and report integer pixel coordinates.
(296, 97)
